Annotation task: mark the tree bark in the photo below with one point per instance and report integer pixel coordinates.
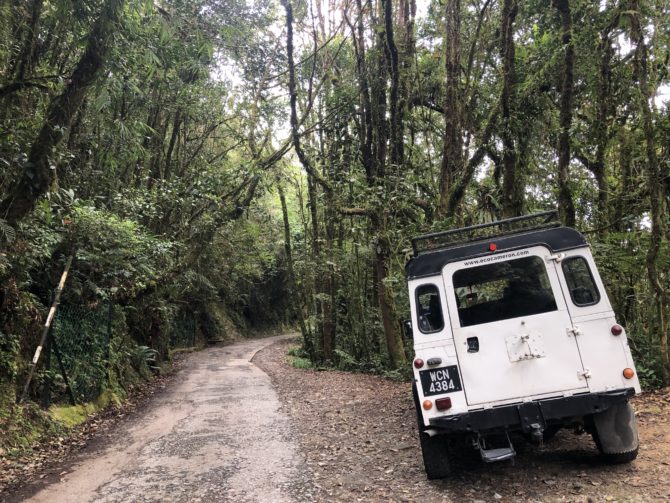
(298, 303)
(25, 62)
(38, 175)
(566, 205)
(396, 102)
(655, 182)
(512, 192)
(452, 148)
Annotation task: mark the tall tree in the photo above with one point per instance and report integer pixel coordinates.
(452, 151)
(512, 191)
(655, 179)
(565, 202)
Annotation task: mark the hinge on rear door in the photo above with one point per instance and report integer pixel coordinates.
(574, 331)
(584, 374)
(556, 256)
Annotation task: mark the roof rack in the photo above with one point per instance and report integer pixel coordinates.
(454, 237)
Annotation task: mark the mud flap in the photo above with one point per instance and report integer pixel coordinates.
(616, 429)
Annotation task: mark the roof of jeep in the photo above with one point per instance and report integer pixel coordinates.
(431, 262)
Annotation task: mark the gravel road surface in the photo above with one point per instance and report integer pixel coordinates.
(215, 435)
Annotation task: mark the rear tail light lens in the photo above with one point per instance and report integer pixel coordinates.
(443, 403)
(628, 373)
(616, 330)
(427, 404)
(418, 363)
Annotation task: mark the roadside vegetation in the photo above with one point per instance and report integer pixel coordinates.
(217, 167)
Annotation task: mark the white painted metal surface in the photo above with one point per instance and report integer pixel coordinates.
(492, 374)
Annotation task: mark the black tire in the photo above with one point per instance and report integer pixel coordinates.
(616, 425)
(550, 432)
(435, 449)
(435, 452)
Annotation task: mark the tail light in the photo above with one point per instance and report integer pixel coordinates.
(418, 363)
(443, 403)
(616, 329)
(427, 404)
(628, 373)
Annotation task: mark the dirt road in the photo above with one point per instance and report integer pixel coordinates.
(358, 434)
(215, 435)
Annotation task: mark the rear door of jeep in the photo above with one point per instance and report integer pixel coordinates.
(512, 331)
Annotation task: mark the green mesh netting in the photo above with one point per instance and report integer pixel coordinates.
(82, 336)
(182, 331)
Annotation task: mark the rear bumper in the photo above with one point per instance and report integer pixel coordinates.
(529, 416)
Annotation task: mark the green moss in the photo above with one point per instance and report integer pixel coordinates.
(73, 415)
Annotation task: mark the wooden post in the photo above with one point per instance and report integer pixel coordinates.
(47, 327)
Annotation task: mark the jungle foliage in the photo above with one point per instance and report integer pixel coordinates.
(221, 164)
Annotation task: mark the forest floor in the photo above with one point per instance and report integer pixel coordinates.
(359, 437)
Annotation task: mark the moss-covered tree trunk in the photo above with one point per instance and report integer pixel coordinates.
(37, 175)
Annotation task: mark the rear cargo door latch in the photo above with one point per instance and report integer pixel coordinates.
(574, 331)
(584, 374)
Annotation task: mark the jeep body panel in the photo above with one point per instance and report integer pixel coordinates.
(556, 354)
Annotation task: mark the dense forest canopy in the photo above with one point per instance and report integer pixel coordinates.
(225, 164)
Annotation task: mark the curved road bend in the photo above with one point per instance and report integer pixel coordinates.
(215, 435)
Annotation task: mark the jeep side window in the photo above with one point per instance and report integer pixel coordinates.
(503, 290)
(429, 309)
(582, 287)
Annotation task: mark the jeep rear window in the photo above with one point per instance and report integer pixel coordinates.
(583, 290)
(429, 310)
(503, 290)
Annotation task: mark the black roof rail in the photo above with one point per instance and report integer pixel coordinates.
(454, 237)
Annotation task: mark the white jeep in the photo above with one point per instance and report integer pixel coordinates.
(513, 332)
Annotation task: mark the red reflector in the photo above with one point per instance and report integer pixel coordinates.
(443, 403)
(493, 247)
(617, 330)
(418, 363)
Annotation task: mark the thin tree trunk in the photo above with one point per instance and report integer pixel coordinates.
(176, 125)
(566, 205)
(297, 303)
(396, 104)
(452, 149)
(512, 194)
(393, 339)
(25, 61)
(656, 190)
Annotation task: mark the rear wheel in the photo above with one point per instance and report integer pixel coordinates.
(435, 452)
(435, 449)
(550, 432)
(615, 433)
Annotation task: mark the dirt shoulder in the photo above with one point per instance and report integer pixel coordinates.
(358, 434)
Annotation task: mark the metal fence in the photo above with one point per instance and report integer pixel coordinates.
(77, 355)
(183, 330)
